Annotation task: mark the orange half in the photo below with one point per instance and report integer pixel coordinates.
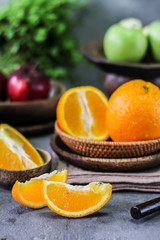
(16, 152)
(76, 201)
(30, 194)
(82, 113)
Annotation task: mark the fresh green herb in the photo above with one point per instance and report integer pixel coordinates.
(39, 31)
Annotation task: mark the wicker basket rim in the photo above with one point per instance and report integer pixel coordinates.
(110, 143)
(102, 159)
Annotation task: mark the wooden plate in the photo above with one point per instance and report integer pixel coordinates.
(37, 129)
(108, 149)
(147, 69)
(32, 112)
(8, 177)
(103, 164)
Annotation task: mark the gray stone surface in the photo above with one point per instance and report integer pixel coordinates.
(112, 222)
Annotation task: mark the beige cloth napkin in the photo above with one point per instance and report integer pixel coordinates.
(147, 180)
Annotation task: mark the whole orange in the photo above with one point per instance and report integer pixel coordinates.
(134, 112)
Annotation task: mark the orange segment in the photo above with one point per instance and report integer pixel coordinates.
(82, 112)
(30, 194)
(76, 201)
(16, 152)
(9, 160)
(57, 176)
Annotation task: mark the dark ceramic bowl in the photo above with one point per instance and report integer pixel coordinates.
(8, 177)
(32, 112)
(147, 69)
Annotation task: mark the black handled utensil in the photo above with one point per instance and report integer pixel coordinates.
(146, 208)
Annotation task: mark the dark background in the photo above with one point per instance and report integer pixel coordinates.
(97, 17)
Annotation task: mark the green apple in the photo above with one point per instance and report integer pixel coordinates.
(125, 41)
(154, 39)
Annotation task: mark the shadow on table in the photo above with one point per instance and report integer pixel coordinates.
(51, 215)
(21, 210)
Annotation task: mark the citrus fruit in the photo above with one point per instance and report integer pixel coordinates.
(30, 194)
(134, 112)
(16, 152)
(76, 201)
(82, 111)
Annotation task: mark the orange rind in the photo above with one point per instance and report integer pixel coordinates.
(30, 194)
(75, 201)
(134, 112)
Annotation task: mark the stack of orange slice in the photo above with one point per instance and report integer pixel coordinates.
(71, 201)
(30, 193)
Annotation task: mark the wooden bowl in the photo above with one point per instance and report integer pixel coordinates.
(146, 69)
(108, 149)
(103, 164)
(32, 112)
(8, 177)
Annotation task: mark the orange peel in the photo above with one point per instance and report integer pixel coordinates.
(76, 201)
(30, 194)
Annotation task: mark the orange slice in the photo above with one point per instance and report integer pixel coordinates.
(30, 194)
(76, 201)
(82, 113)
(16, 152)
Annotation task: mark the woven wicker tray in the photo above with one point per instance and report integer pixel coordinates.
(103, 164)
(108, 149)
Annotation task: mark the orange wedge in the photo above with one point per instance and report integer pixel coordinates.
(16, 152)
(76, 201)
(30, 194)
(82, 113)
